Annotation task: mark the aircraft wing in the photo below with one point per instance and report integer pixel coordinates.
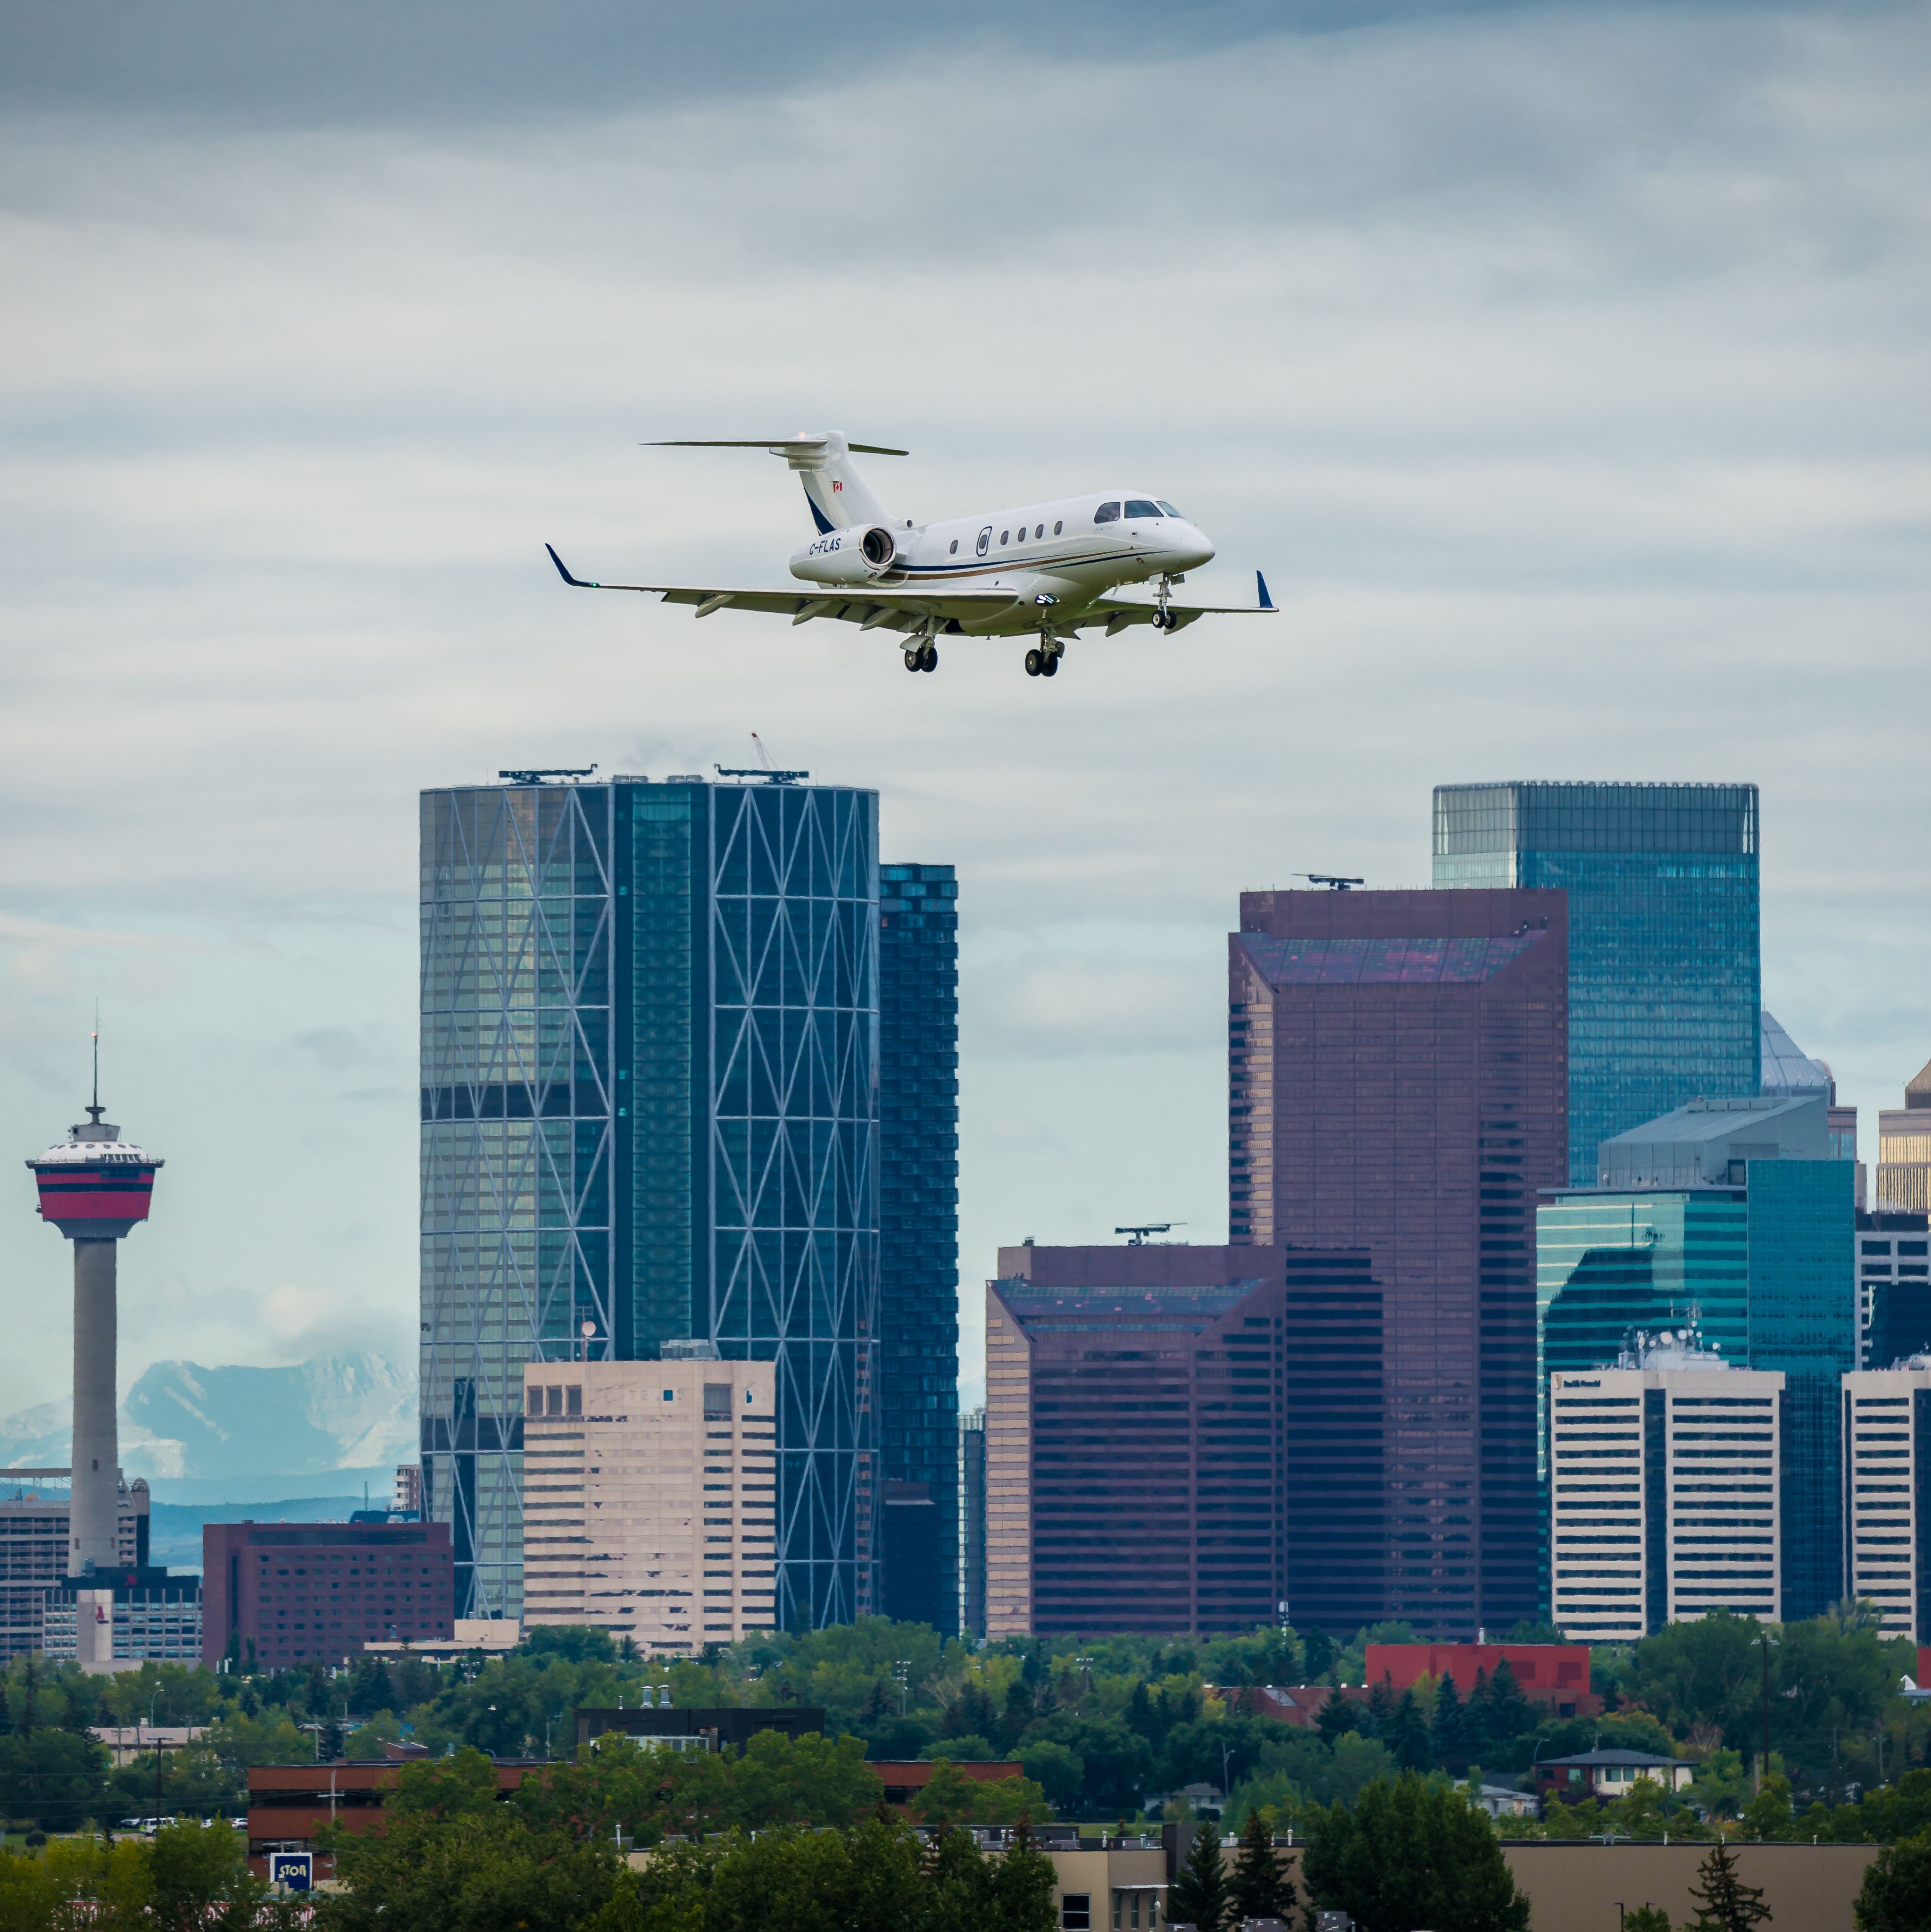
(872, 609)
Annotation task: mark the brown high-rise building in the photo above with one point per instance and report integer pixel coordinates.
(1398, 1083)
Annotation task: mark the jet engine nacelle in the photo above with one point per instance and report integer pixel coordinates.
(859, 555)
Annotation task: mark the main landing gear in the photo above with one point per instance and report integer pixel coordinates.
(1043, 661)
(922, 657)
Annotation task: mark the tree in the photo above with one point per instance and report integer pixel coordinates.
(1059, 1772)
(53, 1777)
(1450, 1740)
(1023, 1884)
(1260, 1889)
(1724, 1903)
(1200, 1895)
(1896, 1893)
(1646, 1918)
(1338, 1714)
(1318, 1656)
(1406, 1734)
(1509, 1713)
(1409, 1853)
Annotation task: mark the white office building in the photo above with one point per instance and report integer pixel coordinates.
(1887, 1435)
(649, 1498)
(1664, 1474)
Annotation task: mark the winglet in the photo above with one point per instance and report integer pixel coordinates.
(563, 571)
(1266, 602)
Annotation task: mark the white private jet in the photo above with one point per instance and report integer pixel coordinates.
(1046, 569)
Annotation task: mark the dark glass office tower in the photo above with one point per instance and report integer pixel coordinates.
(650, 1113)
(1397, 1082)
(1663, 977)
(918, 1242)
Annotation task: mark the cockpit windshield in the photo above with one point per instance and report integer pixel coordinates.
(1138, 506)
(1167, 509)
(1106, 513)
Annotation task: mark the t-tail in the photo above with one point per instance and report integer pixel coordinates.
(838, 495)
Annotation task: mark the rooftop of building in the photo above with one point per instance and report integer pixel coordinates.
(1918, 1092)
(1403, 961)
(1609, 1754)
(1788, 1070)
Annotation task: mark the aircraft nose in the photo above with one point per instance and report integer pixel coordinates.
(1193, 547)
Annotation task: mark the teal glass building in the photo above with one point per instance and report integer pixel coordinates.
(1663, 933)
(649, 1109)
(918, 1243)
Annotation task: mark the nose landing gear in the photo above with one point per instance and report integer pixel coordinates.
(1163, 618)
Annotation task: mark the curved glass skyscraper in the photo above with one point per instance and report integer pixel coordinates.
(650, 1115)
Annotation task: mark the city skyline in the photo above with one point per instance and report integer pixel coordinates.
(1559, 459)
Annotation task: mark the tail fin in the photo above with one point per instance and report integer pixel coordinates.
(838, 497)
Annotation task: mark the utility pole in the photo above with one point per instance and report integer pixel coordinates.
(902, 1670)
(1763, 1768)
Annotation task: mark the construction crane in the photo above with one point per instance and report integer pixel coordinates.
(1136, 1237)
(1333, 881)
(536, 774)
(764, 769)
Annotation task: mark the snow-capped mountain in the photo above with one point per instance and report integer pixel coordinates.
(180, 1420)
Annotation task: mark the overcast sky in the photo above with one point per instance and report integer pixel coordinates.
(1564, 368)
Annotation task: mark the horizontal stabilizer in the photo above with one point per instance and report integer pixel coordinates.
(779, 445)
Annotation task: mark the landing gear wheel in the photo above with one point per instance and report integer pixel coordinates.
(912, 660)
(928, 656)
(1035, 664)
(1162, 622)
(1051, 668)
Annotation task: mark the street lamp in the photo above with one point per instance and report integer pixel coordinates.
(902, 1671)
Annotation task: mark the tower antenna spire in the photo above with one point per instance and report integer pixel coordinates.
(95, 1111)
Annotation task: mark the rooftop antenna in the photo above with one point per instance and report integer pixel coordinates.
(1332, 881)
(1136, 1237)
(94, 1111)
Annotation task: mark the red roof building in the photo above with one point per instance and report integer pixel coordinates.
(1549, 1673)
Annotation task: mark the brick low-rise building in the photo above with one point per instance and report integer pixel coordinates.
(275, 1594)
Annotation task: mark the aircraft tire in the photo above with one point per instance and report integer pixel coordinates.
(1051, 668)
(911, 660)
(928, 656)
(1034, 663)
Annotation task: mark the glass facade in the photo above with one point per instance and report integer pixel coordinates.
(1663, 933)
(1804, 1320)
(919, 1241)
(650, 1113)
(1396, 1092)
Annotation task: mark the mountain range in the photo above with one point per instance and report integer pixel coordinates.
(243, 1435)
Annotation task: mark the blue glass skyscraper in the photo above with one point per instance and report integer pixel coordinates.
(650, 1101)
(1663, 933)
(918, 1242)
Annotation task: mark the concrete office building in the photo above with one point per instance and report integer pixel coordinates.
(1887, 1424)
(1665, 1491)
(650, 1497)
(1728, 1215)
(35, 1520)
(1397, 1086)
(1893, 1286)
(1135, 1475)
(972, 1523)
(1904, 1149)
(918, 1242)
(279, 1594)
(1663, 932)
(650, 1114)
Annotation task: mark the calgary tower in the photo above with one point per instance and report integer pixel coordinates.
(94, 1187)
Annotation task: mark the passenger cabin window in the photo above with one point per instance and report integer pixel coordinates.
(1040, 531)
(1059, 527)
(1004, 535)
(1106, 513)
(1167, 509)
(955, 547)
(1138, 506)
